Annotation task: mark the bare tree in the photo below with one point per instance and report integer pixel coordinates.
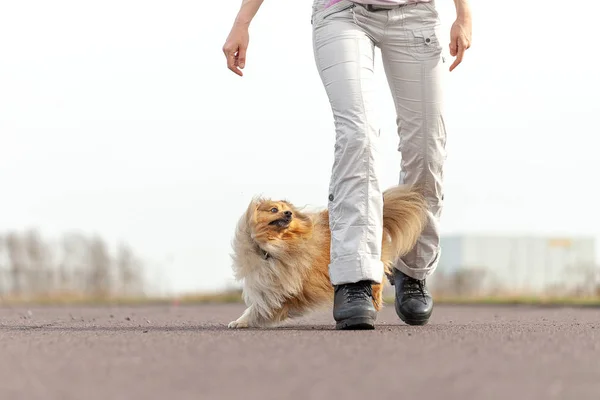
(99, 283)
(74, 263)
(28, 266)
(17, 259)
(40, 266)
(128, 270)
(3, 266)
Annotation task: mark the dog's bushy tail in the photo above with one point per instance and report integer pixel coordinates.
(404, 218)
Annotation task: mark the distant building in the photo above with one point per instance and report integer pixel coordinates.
(516, 265)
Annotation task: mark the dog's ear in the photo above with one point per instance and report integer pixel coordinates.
(308, 223)
(299, 214)
(252, 210)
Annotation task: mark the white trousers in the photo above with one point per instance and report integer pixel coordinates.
(344, 39)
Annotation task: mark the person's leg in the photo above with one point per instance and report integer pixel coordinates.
(413, 61)
(344, 55)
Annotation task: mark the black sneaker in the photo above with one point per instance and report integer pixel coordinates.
(353, 306)
(414, 304)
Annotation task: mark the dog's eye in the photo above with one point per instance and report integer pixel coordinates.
(274, 210)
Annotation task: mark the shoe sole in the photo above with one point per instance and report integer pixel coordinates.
(356, 323)
(413, 321)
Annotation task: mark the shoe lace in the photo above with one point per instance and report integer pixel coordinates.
(413, 286)
(358, 291)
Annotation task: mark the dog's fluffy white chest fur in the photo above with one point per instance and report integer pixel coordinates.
(268, 284)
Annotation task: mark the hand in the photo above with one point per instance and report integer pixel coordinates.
(460, 39)
(235, 48)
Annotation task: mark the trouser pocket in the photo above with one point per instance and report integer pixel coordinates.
(425, 43)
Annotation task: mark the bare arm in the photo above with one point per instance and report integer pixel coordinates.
(247, 12)
(237, 42)
(460, 34)
(462, 9)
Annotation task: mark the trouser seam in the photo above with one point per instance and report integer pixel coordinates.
(425, 138)
(368, 144)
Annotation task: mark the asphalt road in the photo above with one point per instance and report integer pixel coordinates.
(186, 352)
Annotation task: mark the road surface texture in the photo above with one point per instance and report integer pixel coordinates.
(187, 352)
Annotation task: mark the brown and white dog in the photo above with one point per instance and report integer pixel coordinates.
(282, 254)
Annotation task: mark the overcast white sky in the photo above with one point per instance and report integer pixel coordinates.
(120, 117)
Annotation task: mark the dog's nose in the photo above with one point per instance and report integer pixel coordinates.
(287, 214)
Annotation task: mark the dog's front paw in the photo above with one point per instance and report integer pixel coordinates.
(237, 324)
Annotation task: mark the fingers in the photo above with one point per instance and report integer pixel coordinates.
(459, 57)
(453, 48)
(232, 56)
(241, 58)
(232, 62)
(459, 47)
